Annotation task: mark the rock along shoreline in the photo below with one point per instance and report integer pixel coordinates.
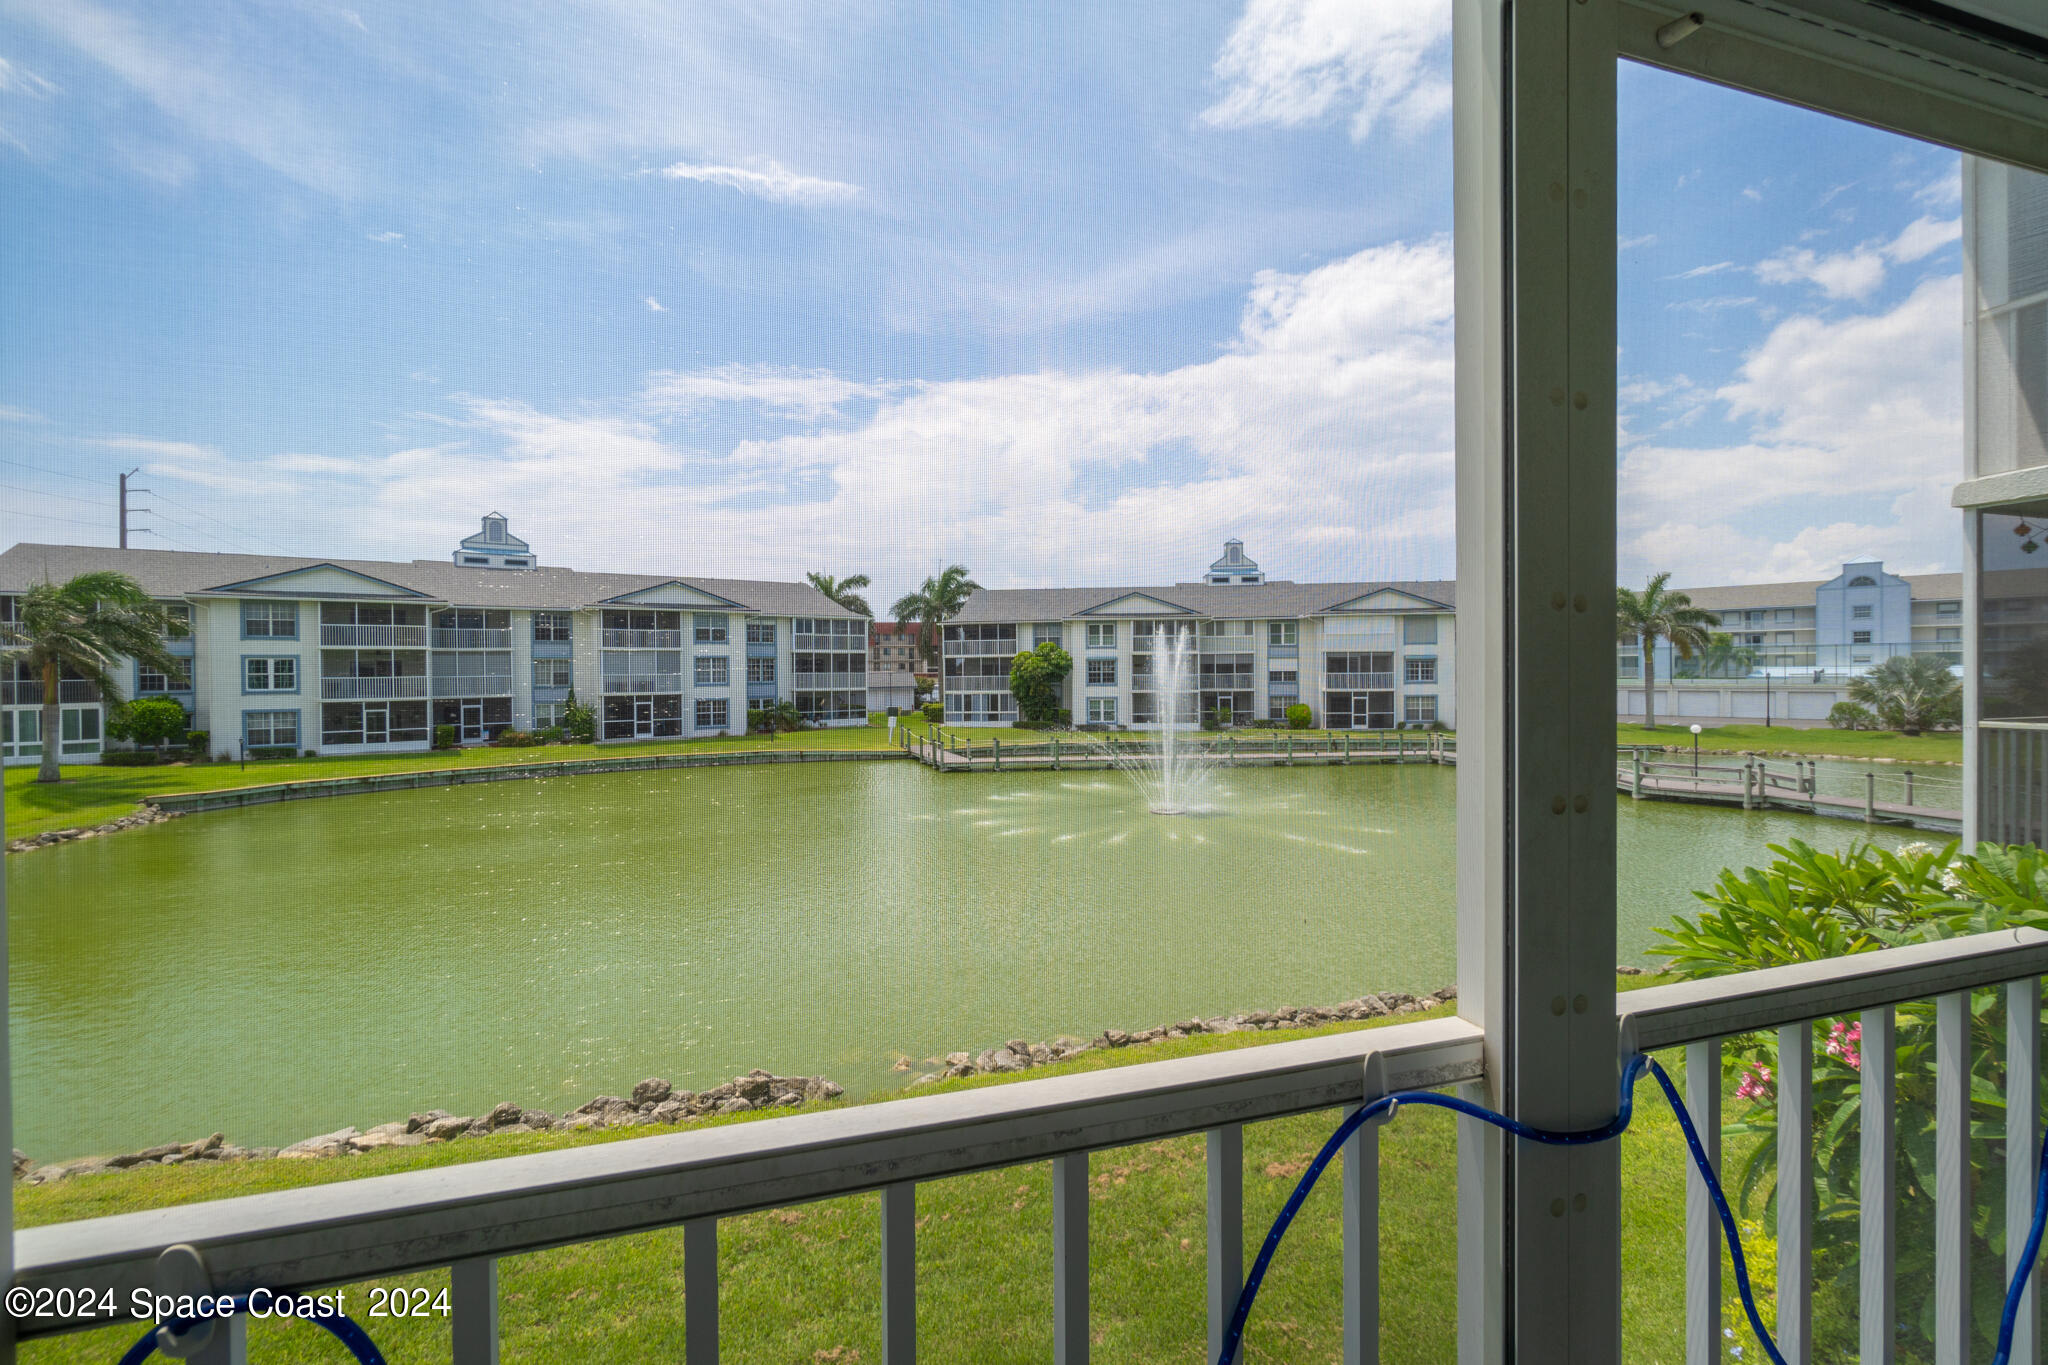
(148, 815)
(654, 1102)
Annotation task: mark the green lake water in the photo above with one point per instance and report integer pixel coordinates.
(282, 971)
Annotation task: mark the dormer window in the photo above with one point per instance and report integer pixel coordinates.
(494, 529)
(1863, 580)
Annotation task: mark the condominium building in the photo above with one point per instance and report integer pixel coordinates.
(1793, 648)
(892, 647)
(1360, 655)
(365, 656)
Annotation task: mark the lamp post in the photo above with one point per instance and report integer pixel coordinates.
(1695, 750)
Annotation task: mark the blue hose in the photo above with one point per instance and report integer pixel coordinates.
(1614, 1128)
(343, 1328)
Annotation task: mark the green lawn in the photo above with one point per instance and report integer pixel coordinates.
(1937, 748)
(800, 1284)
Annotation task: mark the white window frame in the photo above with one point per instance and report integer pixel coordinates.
(267, 667)
(1102, 710)
(1282, 633)
(1102, 635)
(1419, 669)
(712, 670)
(1101, 665)
(712, 713)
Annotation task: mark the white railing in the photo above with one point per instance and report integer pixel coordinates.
(2012, 789)
(643, 639)
(30, 692)
(468, 1216)
(620, 683)
(1866, 987)
(369, 689)
(965, 648)
(1358, 682)
(447, 637)
(830, 681)
(375, 637)
(472, 685)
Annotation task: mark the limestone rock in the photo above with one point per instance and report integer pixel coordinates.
(653, 1090)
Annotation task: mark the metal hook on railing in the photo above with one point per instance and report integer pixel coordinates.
(182, 1274)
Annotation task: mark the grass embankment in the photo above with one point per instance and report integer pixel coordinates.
(800, 1284)
(1851, 744)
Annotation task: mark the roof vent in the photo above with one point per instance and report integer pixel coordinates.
(494, 547)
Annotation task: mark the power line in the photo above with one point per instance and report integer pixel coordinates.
(63, 497)
(196, 511)
(57, 473)
(68, 521)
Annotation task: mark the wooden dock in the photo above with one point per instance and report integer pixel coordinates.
(1757, 785)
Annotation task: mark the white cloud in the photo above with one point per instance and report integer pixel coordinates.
(143, 445)
(1862, 412)
(1632, 243)
(808, 395)
(1322, 434)
(1945, 191)
(1291, 63)
(387, 236)
(770, 180)
(1701, 270)
(1857, 273)
(19, 80)
(8, 414)
(653, 304)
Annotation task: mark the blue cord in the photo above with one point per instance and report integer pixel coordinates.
(1614, 1128)
(343, 1328)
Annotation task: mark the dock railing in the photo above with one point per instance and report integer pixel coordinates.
(467, 1216)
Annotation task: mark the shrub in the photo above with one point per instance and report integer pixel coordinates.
(1035, 678)
(775, 716)
(444, 736)
(934, 711)
(549, 734)
(1911, 693)
(1299, 716)
(1849, 715)
(1210, 721)
(149, 722)
(129, 758)
(1805, 906)
(274, 751)
(579, 721)
(516, 739)
(196, 741)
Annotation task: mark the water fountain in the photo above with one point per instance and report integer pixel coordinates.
(1176, 775)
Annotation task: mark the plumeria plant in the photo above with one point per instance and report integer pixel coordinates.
(1807, 905)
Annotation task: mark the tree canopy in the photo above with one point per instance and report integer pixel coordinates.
(1035, 678)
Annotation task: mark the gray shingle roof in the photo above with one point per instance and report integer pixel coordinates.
(181, 573)
(1927, 587)
(1234, 601)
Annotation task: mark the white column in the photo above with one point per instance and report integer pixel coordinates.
(1535, 225)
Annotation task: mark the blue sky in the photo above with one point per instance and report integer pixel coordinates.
(746, 290)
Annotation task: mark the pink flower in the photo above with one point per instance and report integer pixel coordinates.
(1842, 1041)
(1756, 1084)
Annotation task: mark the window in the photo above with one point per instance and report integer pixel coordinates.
(1863, 580)
(760, 632)
(265, 729)
(270, 620)
(1422, 670)
(551, 625)
(515, 563)
(476, 559)
(1948, 608)
(1045, 632)
(711, 712)
(1420, 710)
(270, 675)
(1283, 675)
(80, 731)
(1102, 635)
(710, 628)
(1102, 672)
(1280, 632)
(1418, 630)
(1859, 613)
(712, 671)
(1949, 633)
(148, 679)
(1859, 637)
(547, 715)
(1784, 615)
(760, 670)
(1214, 629)
(1102, 710)
(553, 673)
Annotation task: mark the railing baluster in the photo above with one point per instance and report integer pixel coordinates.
(1795, 1193)
(1226, 1228)
(899, 1274)
(2022, 1144)
(229, 1345)
(473, 1299)
(1070, 1259)
(700, 1291)
(1877, 1314)
(1952, 1179)
(1362, 1243)
(1702, 1224)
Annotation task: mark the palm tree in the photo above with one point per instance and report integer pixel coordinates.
(1657, 613)
(844, 591)
(86, 627)
(937, 600)
(1910, 693)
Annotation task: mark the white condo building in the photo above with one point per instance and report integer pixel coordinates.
(1359, 655)
(366, 656)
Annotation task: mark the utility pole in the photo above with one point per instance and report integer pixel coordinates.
(125, 509)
